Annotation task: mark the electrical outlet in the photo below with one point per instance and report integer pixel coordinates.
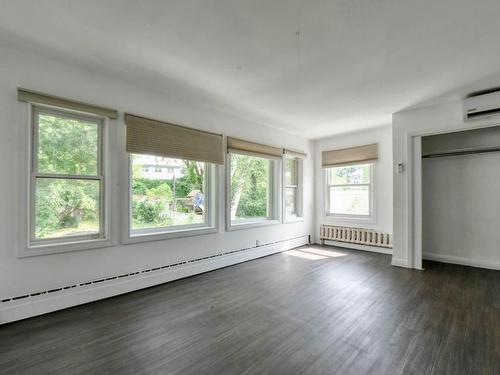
(257, 243)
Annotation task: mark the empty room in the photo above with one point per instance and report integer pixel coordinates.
(250, 187)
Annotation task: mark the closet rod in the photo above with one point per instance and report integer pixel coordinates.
(463, 151)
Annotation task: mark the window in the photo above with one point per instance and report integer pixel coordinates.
(67, 200)
(165, 203)
(252, 190)
(349, 191)
(293, 187)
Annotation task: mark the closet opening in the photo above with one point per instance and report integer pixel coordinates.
(461, 197)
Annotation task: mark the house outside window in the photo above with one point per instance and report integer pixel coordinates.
(179, 198)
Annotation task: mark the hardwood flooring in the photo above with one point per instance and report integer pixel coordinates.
(302, 312)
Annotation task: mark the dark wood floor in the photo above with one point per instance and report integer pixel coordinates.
(283, 314)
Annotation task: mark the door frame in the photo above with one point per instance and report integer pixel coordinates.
(414, 184)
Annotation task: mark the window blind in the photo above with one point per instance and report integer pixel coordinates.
(350, 155)
(29, 96)
(153, 137)
(240, 146)
(295, 154)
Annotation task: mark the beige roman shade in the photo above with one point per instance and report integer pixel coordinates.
(350, 155)
(152, 137)
(240, 146)
(29, 96)
(295, 154)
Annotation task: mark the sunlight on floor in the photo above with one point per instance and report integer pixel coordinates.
(314, 254)
(300, 254)
(326, 253)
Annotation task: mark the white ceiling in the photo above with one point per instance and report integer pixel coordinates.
(311, 67)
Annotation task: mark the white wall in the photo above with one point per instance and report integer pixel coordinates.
(382, 179)
(439, 118)
(34, 71)
(460, 209)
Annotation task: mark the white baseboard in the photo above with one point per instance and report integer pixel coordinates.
(400, 262)
(37, 305)
(346, 245)
(462, 261)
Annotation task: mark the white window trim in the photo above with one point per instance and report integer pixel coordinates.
(300, 192)
(342, 218)
(71, 243)
(165, 233)
(274, 193)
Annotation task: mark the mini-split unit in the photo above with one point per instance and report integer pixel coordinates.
(481, 106)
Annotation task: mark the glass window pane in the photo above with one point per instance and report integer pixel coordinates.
(350, 200)
(167, 192)
(291, 175)
(291, 202)
(67, 145)
(350, 175)
(66, 207)
(250, 183)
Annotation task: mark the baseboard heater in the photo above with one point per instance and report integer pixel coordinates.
(359, 236)
(41, 302)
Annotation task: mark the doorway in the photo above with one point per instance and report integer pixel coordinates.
(459, 197)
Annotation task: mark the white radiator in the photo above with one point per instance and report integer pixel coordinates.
(360, 236)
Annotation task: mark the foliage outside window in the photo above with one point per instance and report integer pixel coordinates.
(291, 188)
(349, 190)
(251, 188)
(171, 194)
(66, 183)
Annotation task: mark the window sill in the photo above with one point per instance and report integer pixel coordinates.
(66, 247)
(341, 219)
(290, 220)
(246, 224)
(167, 235)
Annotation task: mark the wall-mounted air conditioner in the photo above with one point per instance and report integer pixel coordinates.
(482, 105)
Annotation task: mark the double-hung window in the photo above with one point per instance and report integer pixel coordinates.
(349, 191)
(293, 185)
(170, 203)
(349, 182)
(67, 183)
(253, 184)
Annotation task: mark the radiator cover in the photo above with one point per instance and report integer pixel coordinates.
(360, 236)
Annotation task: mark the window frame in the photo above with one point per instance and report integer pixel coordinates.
(274, 199)
(175, 231)
(34, 246)
(371, 217)
(299, 188)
